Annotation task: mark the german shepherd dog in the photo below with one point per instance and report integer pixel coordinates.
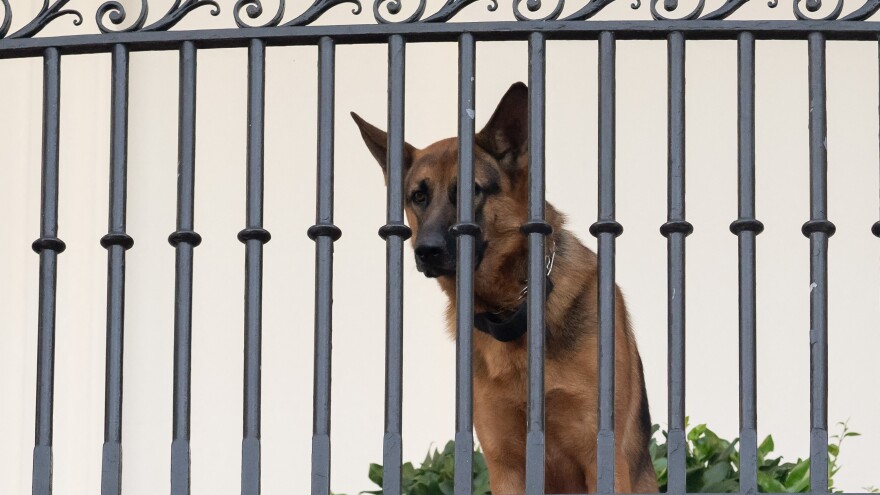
(499, 356)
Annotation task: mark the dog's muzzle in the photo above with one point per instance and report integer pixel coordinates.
(435, 260)
(436, 256)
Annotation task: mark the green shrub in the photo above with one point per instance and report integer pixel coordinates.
(711, 462)
(435, 475)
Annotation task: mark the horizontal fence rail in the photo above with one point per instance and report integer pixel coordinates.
(396, 34)
(428, 33)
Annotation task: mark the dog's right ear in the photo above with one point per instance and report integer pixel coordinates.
(377, 142)
(506, 134)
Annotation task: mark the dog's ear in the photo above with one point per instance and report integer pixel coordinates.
(377, 142)
(506, 135)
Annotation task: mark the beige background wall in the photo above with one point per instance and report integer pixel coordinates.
(783, 283)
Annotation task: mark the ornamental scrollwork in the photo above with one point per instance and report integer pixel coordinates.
(727, 8)
(116, 13)
(453, 7)
(48, 13)
(813, 6)
(534, 6)
(254, 9)
(868, 9)
(112, 16)
(7, 18)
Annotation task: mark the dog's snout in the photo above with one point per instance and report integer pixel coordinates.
(435, 252)
(430, 252)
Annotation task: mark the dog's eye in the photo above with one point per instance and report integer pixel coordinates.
(419, 197)
(477, 189)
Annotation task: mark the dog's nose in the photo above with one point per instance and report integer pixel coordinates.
(429, 253)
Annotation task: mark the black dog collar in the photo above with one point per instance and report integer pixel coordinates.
(510, 328)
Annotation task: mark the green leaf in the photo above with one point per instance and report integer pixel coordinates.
(479, 462)
(765, 448)
(768, 484)
(447, 487)
(375, 474)
(481, 484)
(725, 486)
(716, 474)
(696, 432)
(798, 479)
(660, 464)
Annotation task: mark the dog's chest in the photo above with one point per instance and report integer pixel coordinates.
(503, 362)
(504, 366)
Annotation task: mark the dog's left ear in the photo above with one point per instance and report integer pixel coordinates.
(506, 136)
(377, 142)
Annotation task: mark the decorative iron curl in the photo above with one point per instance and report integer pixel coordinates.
(592, 8)
(254, 9)
(671, 5)
(723, 12)
(813, 6)
(870, 8)
(7, 18)
(115, 11)
(47, 14)
(393, 7)
(534, 6)
(453, 7)
(179, 10)
(319, 8)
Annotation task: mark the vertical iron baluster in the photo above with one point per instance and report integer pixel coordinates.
(184, 239)
(818, 229)
(253, 236)
(394, 232)
(466, 231)
(675, 230)
(536, 228)
(48, 246)
(324, 233)
(747, 227)
(606, 229)
(116, 242)
(875, 229)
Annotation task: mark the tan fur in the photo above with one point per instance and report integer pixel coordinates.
(500, 368)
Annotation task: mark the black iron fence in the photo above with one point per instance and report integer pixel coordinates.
(698, 24)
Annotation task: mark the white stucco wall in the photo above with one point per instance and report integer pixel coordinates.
(358, 346)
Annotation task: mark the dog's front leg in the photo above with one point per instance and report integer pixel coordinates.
(501, 429)
(505, 479)
(504, 457)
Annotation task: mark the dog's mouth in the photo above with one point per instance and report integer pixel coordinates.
(436, 271)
